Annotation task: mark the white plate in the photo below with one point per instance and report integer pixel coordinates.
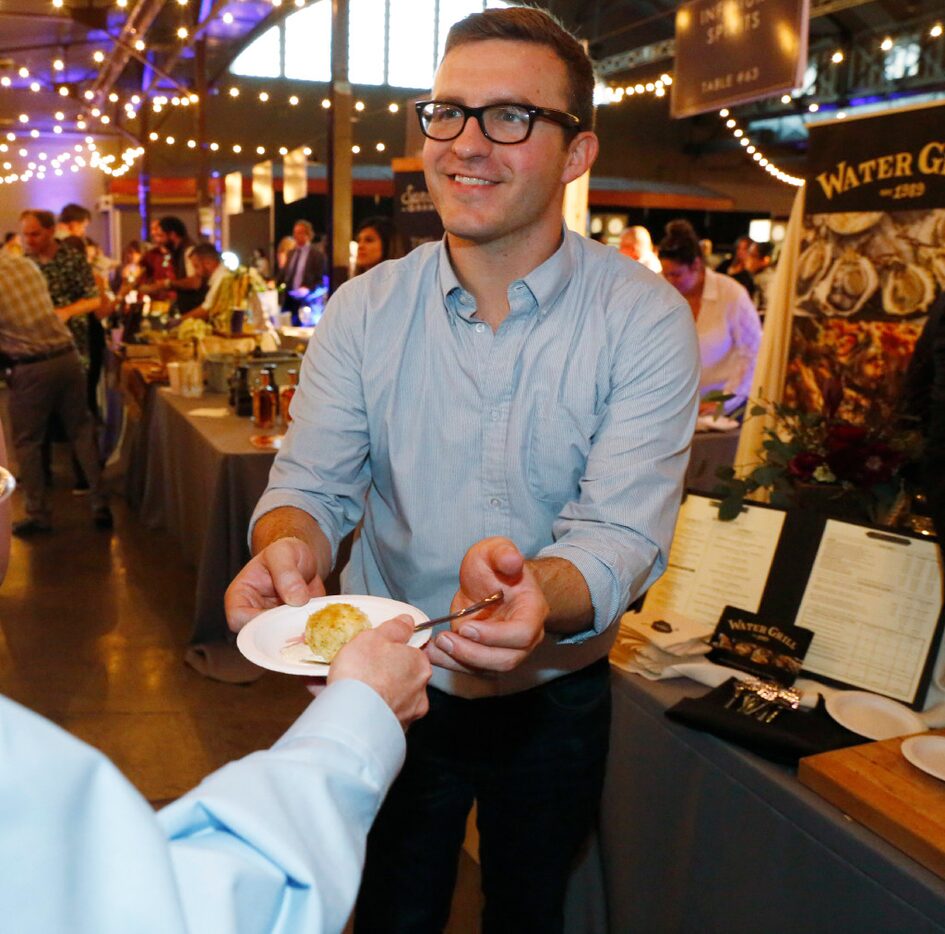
(7, 484)
(872, 715)
(263, 639)
(926, 753)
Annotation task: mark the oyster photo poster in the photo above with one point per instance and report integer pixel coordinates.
(871, 261)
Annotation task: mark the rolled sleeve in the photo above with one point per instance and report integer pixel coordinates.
(322, 467)
(618, 532)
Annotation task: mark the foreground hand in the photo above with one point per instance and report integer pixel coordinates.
(283, 572)
(501, 637)
(382, 659)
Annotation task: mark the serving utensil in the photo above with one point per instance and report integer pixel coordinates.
(492, 599)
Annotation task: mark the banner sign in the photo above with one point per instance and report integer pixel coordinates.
(851, 167)
(262, 184)
(732, 51)
(871, 260)
(233, 193)
(415, 217)
(294, 175)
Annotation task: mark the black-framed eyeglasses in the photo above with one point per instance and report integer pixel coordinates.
(500, 123)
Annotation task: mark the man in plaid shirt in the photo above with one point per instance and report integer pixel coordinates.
(45, 377)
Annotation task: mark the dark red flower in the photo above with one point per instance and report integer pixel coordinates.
(842, 434)
(802, 466)
(864, 464)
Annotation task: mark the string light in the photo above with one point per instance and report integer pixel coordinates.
(182, 32)
(936, 31)
(886, 44)
(98, 56)
(757, 156)
(228, 18)
(837, 57)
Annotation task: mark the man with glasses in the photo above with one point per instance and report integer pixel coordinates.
(509, 409)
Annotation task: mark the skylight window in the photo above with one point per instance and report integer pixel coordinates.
(389, 42)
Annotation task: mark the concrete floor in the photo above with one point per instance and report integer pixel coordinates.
(93, 627)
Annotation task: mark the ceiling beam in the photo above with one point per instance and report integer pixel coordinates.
(136, 25)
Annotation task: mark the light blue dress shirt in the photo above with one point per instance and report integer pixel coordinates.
(567, 431)
(273, 842)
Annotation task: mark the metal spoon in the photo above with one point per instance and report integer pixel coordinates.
(473, 608)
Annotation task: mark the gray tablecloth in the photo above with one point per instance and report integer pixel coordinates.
(710, 450)
(699, 835)
(202, 480)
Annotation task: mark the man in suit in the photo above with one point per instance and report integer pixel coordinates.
(303, 269)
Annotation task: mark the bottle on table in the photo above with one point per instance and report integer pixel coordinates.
(265, 401)
(286, 394)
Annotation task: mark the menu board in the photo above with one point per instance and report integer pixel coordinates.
(873, 600)
(714, 564)
(871, 596)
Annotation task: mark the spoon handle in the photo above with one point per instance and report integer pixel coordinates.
(472, 608)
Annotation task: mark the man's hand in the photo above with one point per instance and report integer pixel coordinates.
(505, 634)
(382, 659)
(284, 572)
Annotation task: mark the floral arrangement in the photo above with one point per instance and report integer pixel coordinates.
(859, 468)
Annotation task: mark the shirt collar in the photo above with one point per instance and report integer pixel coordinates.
(545, 282)
(710, 288)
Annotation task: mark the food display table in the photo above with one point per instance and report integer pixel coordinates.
(201, 481)
(699, 835)
(710, 450)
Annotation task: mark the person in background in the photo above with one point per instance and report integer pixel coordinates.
(72, 287)
(282, 253)
(12, 243)
(270, 844)
(377, 240)
(128, 271)
(260, 262)
(156, 263)
(509, 408)
(184, 281)
(73, 228)
(222, 285)
(726, 320)
(705, 244)
(74, 221)
(736, 262)
(759, 264)
(45, 379)
(636, 243)
(303, 271)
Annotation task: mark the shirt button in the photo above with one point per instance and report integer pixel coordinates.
(480, 328)
(496, 415)
(495, 502)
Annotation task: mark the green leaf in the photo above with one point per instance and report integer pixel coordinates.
(758, 410)
(730, 508)
(766, 475)
(725, 472)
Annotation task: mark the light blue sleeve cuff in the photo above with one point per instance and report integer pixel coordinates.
(357, 714)
(607, 595)
(283, 496)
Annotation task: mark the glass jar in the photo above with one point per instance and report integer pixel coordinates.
(265, 401)
(286, 394)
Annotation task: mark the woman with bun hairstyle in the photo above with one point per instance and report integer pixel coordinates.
(726, 320)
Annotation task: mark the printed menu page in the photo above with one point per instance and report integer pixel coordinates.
(714, 564)
(873, 600)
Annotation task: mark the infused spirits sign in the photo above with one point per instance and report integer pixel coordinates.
(732, 51)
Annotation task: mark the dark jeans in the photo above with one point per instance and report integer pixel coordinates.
(534, 763)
